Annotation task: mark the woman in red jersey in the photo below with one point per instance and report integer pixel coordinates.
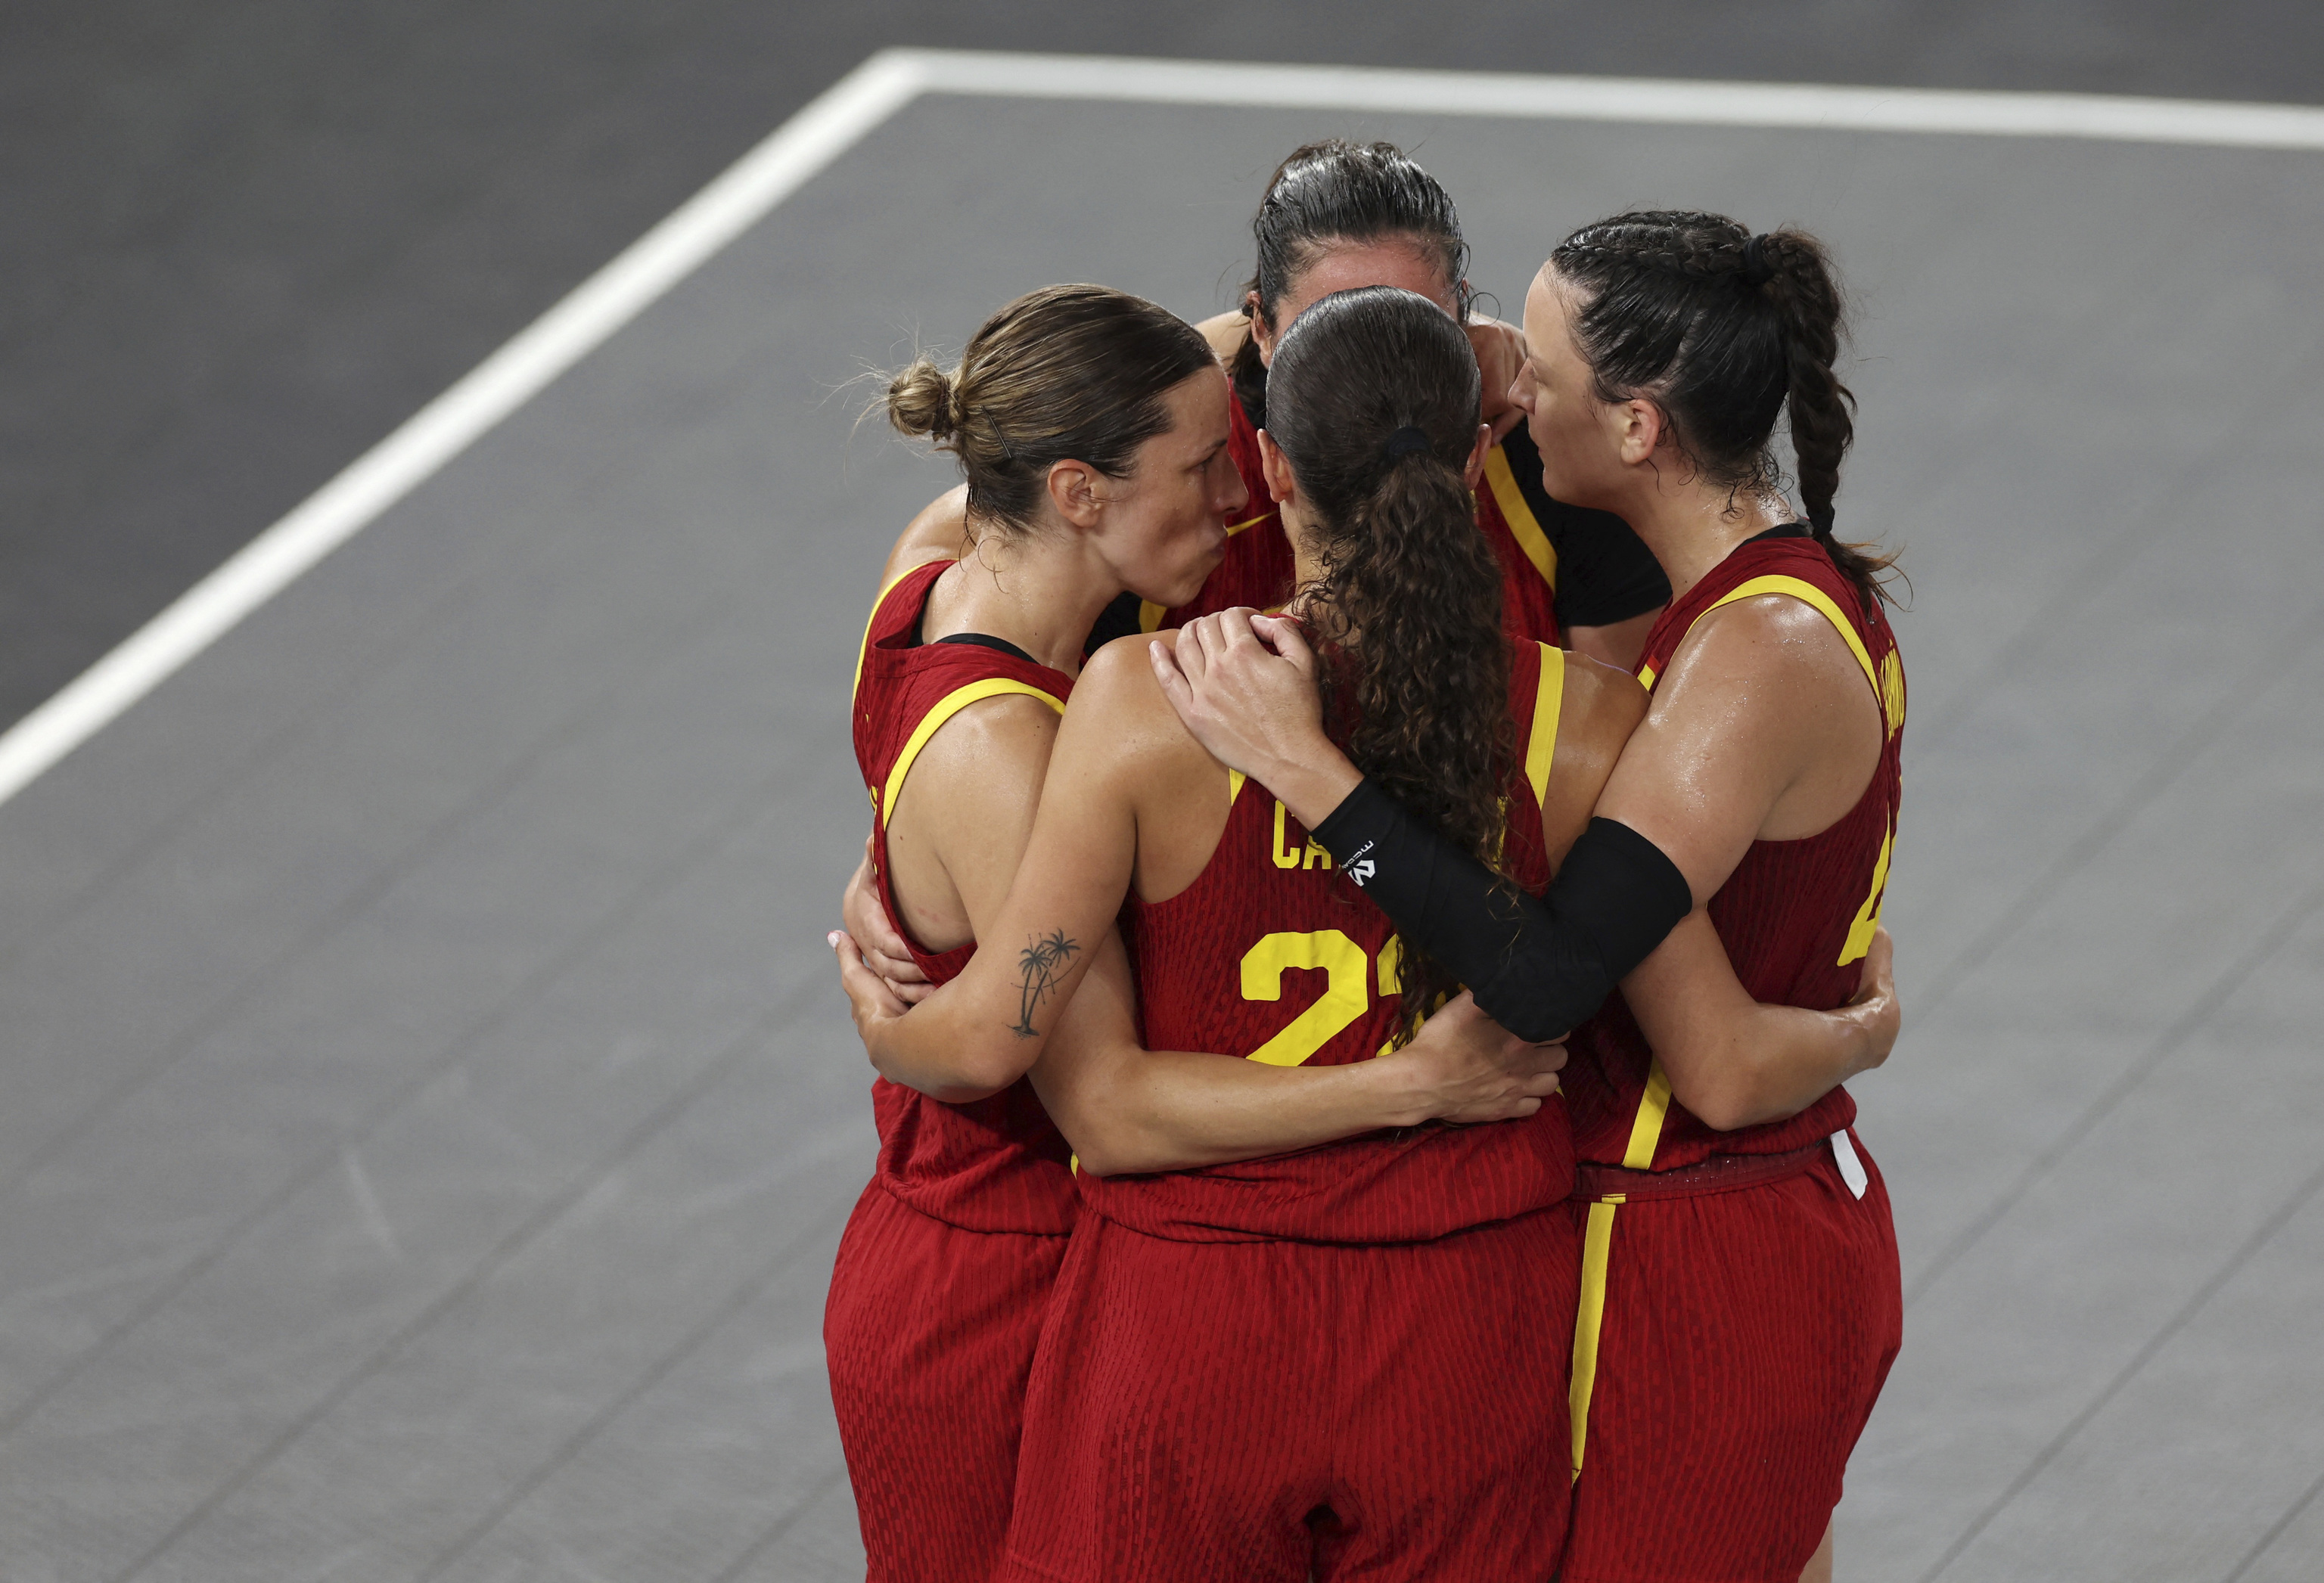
(1333, 1362)
(1091, 427)
(1741, 1304)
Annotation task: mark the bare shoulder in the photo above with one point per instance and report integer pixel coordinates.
(1117, 693)
(998, 744)
(1768, 635)
(939, 533)
(1601, 702)
(1226, 333)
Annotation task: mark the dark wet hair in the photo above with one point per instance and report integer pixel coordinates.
(1724, 331)
(1075, 373)
(1337, 191)
(1408, 604)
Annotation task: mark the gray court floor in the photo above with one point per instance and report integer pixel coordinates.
(430, 1111)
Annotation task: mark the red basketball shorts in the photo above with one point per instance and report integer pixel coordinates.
(1283, 1410)
(929, 1332)
(1745, 1336)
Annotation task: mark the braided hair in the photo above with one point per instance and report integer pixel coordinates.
(1375, 394)
(1725, 332)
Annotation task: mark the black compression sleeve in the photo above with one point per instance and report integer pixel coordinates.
(1537, 965)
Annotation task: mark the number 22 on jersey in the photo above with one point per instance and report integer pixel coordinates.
(1348, 974)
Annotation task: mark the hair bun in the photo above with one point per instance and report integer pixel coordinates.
(921, 401)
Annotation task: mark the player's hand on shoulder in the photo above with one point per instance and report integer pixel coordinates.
(1468, 1068)
(1244, 685)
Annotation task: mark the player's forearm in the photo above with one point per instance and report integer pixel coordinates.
(1766, 1063)
(927, 1049)
(1177, 1110)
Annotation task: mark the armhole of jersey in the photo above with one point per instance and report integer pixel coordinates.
(1815, 599)
(1548, 703)
(950, 704)
(1524, 526)
(864, 648)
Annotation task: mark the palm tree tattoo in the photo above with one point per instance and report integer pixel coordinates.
(1040, 962)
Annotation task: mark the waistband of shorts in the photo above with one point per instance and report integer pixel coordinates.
(1595, 1184)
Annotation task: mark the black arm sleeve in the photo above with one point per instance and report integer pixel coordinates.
(1537, 965)
(1605, 572)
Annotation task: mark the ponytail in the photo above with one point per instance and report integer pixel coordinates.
(1726, 331)
(1374, 404)
(1066, 371)
(1819, 409)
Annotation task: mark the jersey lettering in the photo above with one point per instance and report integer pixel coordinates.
(1287, 856)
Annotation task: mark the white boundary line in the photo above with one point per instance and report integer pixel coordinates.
(835, 122)
(1625, 98)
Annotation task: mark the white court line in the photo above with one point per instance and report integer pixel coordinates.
(835, 122)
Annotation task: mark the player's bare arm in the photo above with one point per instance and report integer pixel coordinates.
(1128, 1110)
(1117, 752)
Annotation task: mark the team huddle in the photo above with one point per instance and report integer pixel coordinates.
(1427, 798)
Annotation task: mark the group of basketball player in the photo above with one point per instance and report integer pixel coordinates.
(1533, 1278)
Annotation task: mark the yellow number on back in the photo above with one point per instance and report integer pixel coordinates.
(1347, 993)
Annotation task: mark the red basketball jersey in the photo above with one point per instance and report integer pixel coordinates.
(1273, 954)
(1796, 916)
(999, 1164)
(1258, 567)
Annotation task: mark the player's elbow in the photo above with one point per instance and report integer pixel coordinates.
(1103, 1147)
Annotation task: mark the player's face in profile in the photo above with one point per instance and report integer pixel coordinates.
(1560, 400)
(1164, 526)
(1349, 266)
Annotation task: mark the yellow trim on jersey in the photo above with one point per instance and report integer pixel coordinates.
(864, 648)
(1548, 703)
(1646, 1128)
(1816, 599)
(1524, 526)
(1867, 917)
(950, 704)
(1150, 616)
(1597, 1243)
(1235, 777)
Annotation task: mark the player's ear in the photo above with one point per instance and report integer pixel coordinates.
(1276, 467)
(1075, 492)
(1638, 428)
(1475, 468)
(1262, 334)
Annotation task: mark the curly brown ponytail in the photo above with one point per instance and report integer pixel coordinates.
(1725, 331)
(1374, 400)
